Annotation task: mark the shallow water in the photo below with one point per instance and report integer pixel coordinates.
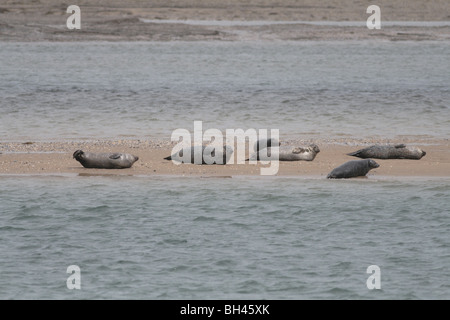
(239, 238)
(347, 89)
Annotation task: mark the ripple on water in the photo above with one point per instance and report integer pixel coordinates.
(238, 244)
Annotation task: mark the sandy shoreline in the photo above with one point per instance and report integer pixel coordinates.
(103, 20)
(56, 158)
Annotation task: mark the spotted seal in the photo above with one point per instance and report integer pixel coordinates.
(399, 151)
(105, 160)
(287, 153)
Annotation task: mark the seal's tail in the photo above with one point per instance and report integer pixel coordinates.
(355, 154)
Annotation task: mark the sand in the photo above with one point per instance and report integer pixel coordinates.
(114, 20)
(56, 158)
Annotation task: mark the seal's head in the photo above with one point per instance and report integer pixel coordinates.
(415, 153)
(314, 148)
(78, 155)
(373, 164)
(419, 152)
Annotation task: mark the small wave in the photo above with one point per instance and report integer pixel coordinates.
(11, 228)
(203, 218)
(175, 241)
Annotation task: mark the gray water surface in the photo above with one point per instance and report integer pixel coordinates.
(346, 89)
(239, 238)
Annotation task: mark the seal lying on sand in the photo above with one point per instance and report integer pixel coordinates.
(399, 151)
(354, 168)
(287, 153)
(105, 160)
(209, 155)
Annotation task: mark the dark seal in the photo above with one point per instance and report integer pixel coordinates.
(354, 168)
(105, 160)
(399, 151)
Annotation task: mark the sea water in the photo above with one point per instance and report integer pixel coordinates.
(221, 238)
(347, 89)
(218, 238)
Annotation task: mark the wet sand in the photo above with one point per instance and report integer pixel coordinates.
(104, 20)
(56, 158)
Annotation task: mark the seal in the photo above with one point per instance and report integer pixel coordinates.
(265, 143)
(209, 155)
(288, 153)
(105, 160)
(399, 151)
(354, 168)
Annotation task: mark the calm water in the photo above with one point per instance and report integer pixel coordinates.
(51, 91)
(239, 238)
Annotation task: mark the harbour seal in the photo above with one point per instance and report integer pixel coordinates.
(215, 155)
(354, 168)
(399, 151)
(288, 153)
(105, 160)
(265, 143)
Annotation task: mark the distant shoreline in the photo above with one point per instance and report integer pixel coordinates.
(103, 20)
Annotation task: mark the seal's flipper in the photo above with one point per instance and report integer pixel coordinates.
(356, 154)
(299, 150)
(399, 146)
(115, 156)
(168, 158)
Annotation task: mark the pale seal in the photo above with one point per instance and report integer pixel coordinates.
(287, 153)
(222, 156)
(105, 160)
(354, 168)
(399, 151)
